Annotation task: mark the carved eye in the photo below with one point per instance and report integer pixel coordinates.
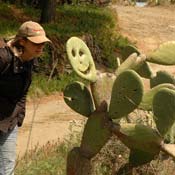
(73, 53)
(81, 53)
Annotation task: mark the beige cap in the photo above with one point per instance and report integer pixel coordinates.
(33, 32)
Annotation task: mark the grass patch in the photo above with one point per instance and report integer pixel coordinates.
(51, 158)
(8, 22)
(81, 19)
(42, 86)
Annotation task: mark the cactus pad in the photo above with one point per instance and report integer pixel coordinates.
(128, 50)
(78, 97)
(164, 55)
(164, 110)
(96, 134)
(140, 137)
(170, 136)
(81, 59)
(77, 164)
(162, 77)
(145, 70)
(148, 96)
(132, 62)
(126, 95)
(138, 157)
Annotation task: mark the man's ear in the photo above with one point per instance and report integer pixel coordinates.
(22, 42)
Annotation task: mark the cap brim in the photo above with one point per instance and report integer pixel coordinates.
(39, 39)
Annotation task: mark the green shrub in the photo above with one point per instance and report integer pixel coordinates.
(42, 86)
(100, 23)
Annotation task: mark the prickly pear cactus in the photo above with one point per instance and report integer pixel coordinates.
(114, 96)
(148, 96)
(126, 94)
(96, 132)
(78, 97)
(75, 160)
(81, 59)
(132, 61)
(164, 118)
(140, 137)
(162, 77)
(164, 55)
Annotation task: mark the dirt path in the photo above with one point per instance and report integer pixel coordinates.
(147, 27)
(51, 119)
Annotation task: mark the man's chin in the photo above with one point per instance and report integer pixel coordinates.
(38, 54)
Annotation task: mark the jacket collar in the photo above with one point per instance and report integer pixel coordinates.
(15, 51)
(18, 65)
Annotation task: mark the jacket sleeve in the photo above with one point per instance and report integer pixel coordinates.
(21, 104)
(4, 60)
(21, 108)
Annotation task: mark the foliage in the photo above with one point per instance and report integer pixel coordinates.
(81, 20)
(7, 28)
(42, 86)
(31, 12)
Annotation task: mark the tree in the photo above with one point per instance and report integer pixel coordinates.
(48, 11)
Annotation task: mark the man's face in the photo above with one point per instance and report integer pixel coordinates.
(31, 50)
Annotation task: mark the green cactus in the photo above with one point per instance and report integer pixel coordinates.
(132, 62)
(146, 103)
(101, 106)
(78, 97)
(162, 77)
(81, 59)
(96, 132)
(143, 68)
(164, 110)
(139, 157)
(126, 94)
(170, 136)
(145, 71)
(128, 50)
(140, 137)
(77, 164)
(164, 55)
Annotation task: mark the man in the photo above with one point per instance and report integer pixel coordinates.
(16, 61)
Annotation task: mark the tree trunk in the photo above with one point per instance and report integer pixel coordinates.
(48, 11)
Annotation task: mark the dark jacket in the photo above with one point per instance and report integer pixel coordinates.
(15, 79)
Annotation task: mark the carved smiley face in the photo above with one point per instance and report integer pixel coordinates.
(81, 59)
